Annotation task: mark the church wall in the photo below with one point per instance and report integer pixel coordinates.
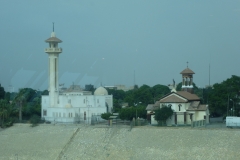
(200, 115)
(153, 121)
(175, 106)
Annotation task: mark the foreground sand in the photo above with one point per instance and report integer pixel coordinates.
(100, 142)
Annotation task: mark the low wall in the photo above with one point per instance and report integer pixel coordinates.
(216, 120)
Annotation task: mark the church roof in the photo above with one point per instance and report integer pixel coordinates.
(202, 107)
(187, 71)
(189, 96)
(179, 97)
(173, 98)
(151, 107)
(53, 39)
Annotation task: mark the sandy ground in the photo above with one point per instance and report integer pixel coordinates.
(100, 142)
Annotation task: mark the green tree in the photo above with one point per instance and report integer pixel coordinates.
(20, 100)
(34, 120)
(7, 96)
(129, 98)
(143, 95)
(3, 111)
(127, 113)
(132, 112)
(224, 96)
(28, 102)
(118, 98)
(45, 92)
(159, 91)
(106, 116)
(2, 92)
(162, 114)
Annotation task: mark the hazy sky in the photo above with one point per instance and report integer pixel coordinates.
(105, 41)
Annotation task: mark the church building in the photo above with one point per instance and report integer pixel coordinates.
(185, 104)
(72, 105)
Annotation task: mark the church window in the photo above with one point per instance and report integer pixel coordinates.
(179, 106)
(170, 106)
(44, 112)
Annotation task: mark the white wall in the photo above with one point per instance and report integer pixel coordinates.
(80, 104)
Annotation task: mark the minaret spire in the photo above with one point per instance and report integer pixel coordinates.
(53, 26)
(53, 52)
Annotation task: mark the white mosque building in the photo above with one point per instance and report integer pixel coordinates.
(72, 105)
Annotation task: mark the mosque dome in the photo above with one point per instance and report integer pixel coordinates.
(100, 91)
(68, 106)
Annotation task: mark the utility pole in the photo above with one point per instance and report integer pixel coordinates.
(228, 104)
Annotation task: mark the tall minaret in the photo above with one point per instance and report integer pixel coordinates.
(53, 52)
(187, 80)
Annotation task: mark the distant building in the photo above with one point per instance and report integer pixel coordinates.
(185, 104)
(73, 104)
(119, 87)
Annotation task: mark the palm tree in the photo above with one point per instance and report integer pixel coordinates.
(3, 110)
(19, 100)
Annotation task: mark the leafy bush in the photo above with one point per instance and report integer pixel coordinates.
(162, 114)
(106, 116)
(34, 120)
(133, 112)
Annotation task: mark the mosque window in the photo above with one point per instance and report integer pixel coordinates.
(44, 112)
(69, 115)
(84, 115)
(98, 101)
(59, 114)
(69, 101)
(84, 101)
(63, 114)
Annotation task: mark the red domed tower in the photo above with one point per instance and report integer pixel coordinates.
(187, 80)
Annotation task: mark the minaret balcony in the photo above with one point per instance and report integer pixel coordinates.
(53, 50)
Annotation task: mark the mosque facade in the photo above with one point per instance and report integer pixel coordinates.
(72, 105)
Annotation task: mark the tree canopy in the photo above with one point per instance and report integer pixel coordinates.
(162, 114)
(225, 95)
(133, 112)
(2, 92)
